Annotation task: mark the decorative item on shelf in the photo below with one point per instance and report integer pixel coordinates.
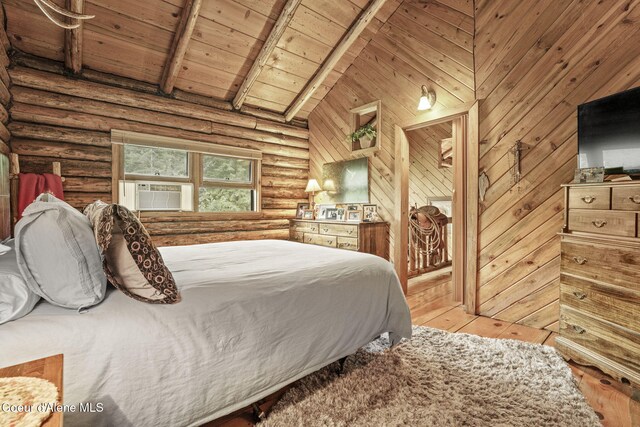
(354, 216)
(301, 208)
(365, 128)
(321, 211)
(370, 213)
(588, 175)
(331, 214)
(341, 214)
(307, 214)
(312, 187)
(353, 207)
(48, 7)
(364, 136)
(427, 99)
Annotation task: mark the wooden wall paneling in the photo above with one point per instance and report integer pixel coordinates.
(5, 134)
(560, 55)
(336, 54)
(70, 120)
(391, 68)
(271, 42)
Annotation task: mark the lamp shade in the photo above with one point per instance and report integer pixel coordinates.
(328, 185)
(312, 186)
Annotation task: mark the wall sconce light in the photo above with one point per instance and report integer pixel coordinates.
(427, 100)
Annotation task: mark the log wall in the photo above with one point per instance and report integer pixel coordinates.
(57, 118)
(421, 43)
(535, 62)
(5, 134)
(426, 178)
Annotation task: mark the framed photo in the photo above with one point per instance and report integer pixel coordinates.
(353, 208)
(300, 209)
(589, 175)
(354, 216)
(369, 212)
(341, 214)
(322, 211)
(307, 214)
(331, 214)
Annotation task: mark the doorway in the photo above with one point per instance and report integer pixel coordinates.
(464, 197)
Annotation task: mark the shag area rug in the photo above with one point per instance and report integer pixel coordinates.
(439, 379)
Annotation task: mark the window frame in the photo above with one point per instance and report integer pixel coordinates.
(195, 150)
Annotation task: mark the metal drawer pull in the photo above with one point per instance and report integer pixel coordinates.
(599, 223)
(331, 242)
(635, 199)
(579, 260)
(579, 295)
(588, 199)
(325, 229)
(351, 231)
(578, 329)
(313, 229)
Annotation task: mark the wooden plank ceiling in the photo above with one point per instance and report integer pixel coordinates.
(220, 44)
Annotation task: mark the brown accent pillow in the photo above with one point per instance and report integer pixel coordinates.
(131, 261)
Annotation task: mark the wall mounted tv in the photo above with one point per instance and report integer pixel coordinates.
(609, 133)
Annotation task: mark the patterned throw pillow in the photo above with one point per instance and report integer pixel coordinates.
(131, 261)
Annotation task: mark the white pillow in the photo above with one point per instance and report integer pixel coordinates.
(58, 255)
(16, 299)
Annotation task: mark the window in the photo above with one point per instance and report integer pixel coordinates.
(168, 174)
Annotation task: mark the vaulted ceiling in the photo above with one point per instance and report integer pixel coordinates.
(137, 39)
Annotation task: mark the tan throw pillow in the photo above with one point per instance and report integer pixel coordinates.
(131, 261)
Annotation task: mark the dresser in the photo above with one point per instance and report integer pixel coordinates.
(368, 237)
(600, 278)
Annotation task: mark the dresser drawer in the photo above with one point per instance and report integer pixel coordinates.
(626, 198)
(604, 262)
(309, 227)
(318, 239)
(345, 230)
(612, 303)
(297, 236)
(348, 243)
(603, 222)
(589, 198)
(616, 343)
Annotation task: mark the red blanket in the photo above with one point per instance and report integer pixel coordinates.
(31, 185)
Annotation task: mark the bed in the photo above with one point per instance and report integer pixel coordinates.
(254, 317)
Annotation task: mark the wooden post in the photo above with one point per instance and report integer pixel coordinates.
(14, 171)
(73, 39)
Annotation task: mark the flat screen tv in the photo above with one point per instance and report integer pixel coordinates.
(609, 133)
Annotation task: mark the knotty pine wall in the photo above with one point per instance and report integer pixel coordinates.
(426, 178)
(421, 43)
(535, 62)
(57, 118)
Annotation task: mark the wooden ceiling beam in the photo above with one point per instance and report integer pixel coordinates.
(327, 66)
(267, 48)
(181, 39)
(73, 39)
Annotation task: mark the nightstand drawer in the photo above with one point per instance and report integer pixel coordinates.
(616, 343)
(589, 198)
(626, 198)
(345, 230)
(348, 243)
(603, 222)
(609, 302)
(317, 239)
(604, 262)
(307, 227)
(297, 236)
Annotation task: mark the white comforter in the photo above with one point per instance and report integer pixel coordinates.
(254, 317)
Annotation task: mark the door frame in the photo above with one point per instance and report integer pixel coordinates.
(465, 198)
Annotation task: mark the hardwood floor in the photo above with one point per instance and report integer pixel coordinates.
(609, 398)
(431, 303)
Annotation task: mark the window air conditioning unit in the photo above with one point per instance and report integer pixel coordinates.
(158, 197)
